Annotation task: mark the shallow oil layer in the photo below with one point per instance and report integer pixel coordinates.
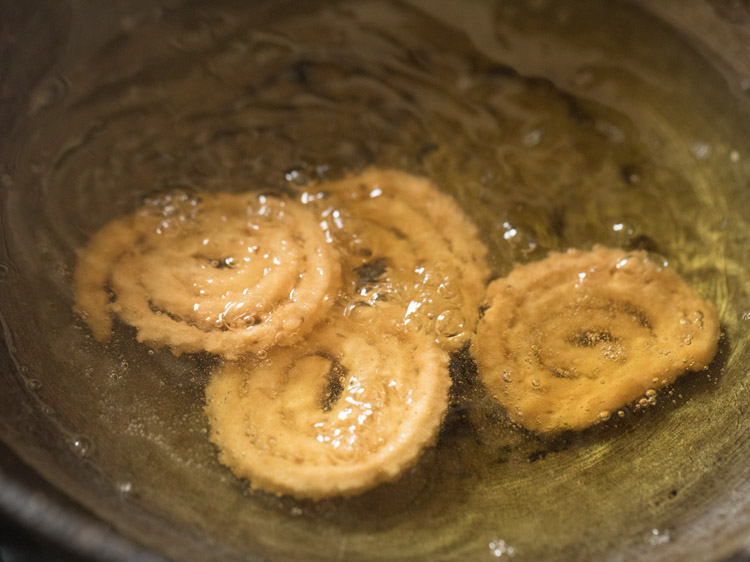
(553, 124)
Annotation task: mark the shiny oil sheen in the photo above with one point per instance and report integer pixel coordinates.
(554, 124)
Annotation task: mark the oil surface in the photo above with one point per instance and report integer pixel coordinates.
(552, 124)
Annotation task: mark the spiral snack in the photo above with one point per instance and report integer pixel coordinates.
(409, 250)
(238, 273)
(333, 417)
(568, 339)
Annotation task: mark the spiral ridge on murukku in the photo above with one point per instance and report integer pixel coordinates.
(567, 340)
(239, 273)
(350, 409)
(408, 249)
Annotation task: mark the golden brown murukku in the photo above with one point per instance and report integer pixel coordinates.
(569, 339)
(349, 409)
(243, 272)
(408, 249)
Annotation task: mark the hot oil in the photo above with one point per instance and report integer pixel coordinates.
(552, 124)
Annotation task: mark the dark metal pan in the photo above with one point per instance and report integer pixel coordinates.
(554, 124)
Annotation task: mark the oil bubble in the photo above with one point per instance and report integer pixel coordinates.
(657, 537)
(299, 176)
(450, 323)
(701, 150)
(533, 138)
(413, 323)
(612, 132)
(34, 384)
(625, 232)
(631, 175)
(446, 290)
(177, 211)
(521, 239)
(362, 312)
(82, 446)
(500, 548)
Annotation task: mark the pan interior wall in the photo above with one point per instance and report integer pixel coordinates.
(554, 124)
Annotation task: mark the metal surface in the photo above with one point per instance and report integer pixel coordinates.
(53, 489)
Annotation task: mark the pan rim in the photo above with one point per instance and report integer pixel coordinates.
(46, 517)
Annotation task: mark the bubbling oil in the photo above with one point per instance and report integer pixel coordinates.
(551, 124)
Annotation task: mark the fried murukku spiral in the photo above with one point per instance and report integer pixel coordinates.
(240, 273)
(569, 339)
(349, 409)
(409, 250)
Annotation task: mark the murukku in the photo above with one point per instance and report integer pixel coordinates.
(571, 338)
(238, 274)
(349, 409)
(408, 249)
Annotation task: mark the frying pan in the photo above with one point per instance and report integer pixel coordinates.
(103, 449)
